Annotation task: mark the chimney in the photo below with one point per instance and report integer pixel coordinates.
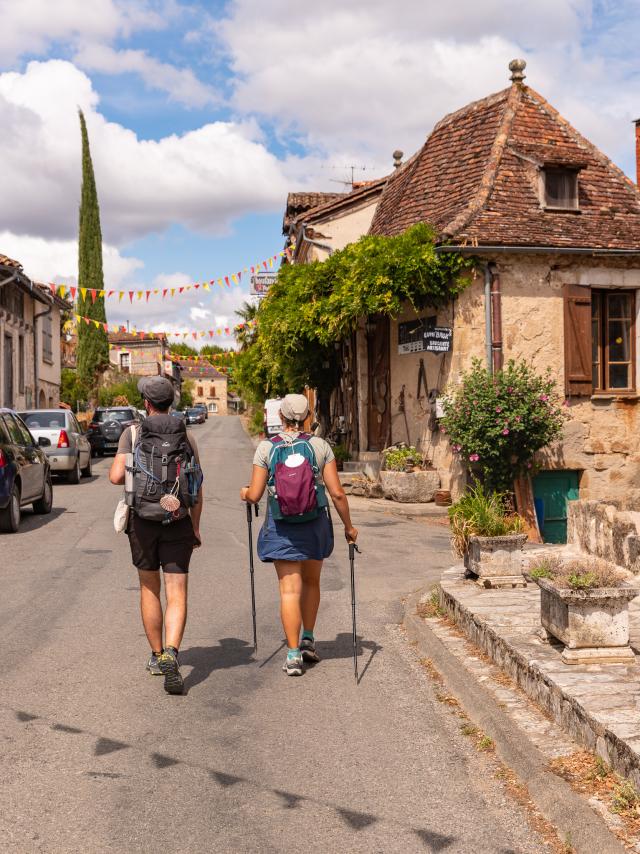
(638, 151)
(397, 158)
(517, 67)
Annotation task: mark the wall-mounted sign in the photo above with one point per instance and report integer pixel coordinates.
(422, 335)
(261, 282)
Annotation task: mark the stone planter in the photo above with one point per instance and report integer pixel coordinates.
(497, 561)
(416, 487)
(593, 624)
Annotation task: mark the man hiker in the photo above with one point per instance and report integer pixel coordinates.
(164, 487)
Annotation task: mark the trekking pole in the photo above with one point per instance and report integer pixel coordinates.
(353, 548)
(253, 586)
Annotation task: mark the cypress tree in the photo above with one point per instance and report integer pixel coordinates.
(93, 347)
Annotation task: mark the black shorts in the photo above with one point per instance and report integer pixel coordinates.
(154, 545)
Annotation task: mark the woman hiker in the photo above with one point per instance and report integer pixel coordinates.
(297, 537)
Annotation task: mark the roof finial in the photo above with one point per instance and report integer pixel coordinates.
(397, 158)
(517, 67)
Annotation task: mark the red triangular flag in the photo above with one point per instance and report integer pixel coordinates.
(164, 293)
(180, 290)
(226, 278)
(73, 292)
(93, 294)
(130, 296)
(148, 293)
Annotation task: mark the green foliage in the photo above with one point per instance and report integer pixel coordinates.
(589, 573)
(399, 458)
(312, 306)
(93, 348)
(540, 572)
(341, 453)
(182, 350)
(479, 513)
(186, 394)
(72, 390)
(497, 422)
(626, 798)
(123, 387)
(256, 422)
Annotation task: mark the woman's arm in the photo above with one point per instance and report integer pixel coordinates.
(340, 502)
(254, 492)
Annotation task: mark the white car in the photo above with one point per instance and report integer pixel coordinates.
(70, 452)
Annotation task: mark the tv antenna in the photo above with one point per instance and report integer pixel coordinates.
(352, 167)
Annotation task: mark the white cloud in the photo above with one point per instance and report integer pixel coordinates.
(57, 260)
(181, 84)
(199, 313)
(171, 280)
(203, 179)
(354, 81)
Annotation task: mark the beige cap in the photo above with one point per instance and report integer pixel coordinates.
(294, 407)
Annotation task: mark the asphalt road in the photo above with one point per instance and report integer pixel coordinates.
(94, 757)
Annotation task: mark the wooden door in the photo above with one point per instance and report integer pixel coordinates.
(8, 372)
(379, 407)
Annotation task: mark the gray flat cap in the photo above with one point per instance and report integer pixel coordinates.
(157, 390)
(294, 407)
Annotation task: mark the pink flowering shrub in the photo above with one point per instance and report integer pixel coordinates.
(496, 422)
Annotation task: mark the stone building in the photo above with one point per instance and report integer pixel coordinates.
(143, 354)
(30, 322)
(209, 386)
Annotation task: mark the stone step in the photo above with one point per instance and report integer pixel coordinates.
(371, 468)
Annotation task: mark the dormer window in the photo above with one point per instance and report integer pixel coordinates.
(559, 186)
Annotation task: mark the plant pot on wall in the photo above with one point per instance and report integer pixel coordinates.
(496, 561)
(593, 624)
(416, 487)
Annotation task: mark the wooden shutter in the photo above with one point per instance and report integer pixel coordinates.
(577, 340)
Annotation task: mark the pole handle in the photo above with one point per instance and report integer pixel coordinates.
(353, 548)
(248, 513)
(257, 509)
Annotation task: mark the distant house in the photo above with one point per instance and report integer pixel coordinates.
(30, 322)
(209, 386)
(143, 355)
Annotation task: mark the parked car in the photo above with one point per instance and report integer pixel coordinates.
(178, 413)
(195, 416)
(203, 407)
(70, 451)
(25, 474)
(142, 413)
(107, 425)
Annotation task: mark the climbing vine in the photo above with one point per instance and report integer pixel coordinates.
(312, 306)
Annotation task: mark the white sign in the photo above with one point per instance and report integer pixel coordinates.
(261, 282)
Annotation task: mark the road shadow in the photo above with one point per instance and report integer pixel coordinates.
(342, 647)
(229, 652)
(31, 521)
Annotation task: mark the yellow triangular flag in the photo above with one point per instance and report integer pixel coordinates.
(83, 291)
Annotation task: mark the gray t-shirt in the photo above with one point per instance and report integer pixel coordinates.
(321, 448)
(125, 445)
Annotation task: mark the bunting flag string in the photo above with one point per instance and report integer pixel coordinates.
(74, 291)
(137, 333)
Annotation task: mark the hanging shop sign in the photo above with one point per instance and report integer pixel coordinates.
(261, 282)
(423, 336)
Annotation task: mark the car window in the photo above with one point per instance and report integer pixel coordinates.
(4, 433)
(15, 433)
(27, 438)
(43, 420)
(75, 426)
(114, 415)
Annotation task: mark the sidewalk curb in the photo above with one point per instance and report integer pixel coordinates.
(555, 799)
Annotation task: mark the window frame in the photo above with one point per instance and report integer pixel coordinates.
(603, 389)
(47, 339)
(550, 168)
(125, 369)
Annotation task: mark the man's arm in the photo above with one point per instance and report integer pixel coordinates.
(116, 472)
(196, 513)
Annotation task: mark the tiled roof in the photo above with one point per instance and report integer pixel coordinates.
(130, 338)
(203, 372)
(298, 203)
(9, 262)
(476, 180)
(344, 200)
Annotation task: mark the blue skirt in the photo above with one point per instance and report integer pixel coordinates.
(296, 541)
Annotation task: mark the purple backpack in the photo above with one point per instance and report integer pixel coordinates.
(294, 494)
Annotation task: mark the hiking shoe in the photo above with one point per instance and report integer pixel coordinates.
(293, 666)
(170, 669)
(152, 665)
(308, 650)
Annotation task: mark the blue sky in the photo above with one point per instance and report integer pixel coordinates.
(202, 115)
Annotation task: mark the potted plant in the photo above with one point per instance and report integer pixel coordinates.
(406, 476)
(341, 454)
(585, 604)
(488, 537)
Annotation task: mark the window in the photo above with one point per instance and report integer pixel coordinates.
(560, 188)
(612, 340)
(21, 366)
(199, 391)
(47, 338)
(125, 362)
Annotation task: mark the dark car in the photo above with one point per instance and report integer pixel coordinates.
(203, 407)
(194, 416)
(25, 474)
(107, 425)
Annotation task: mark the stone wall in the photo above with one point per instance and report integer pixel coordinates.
(610, 531)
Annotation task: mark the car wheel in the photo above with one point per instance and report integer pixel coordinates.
(43, 505)
(86, 471)
(73, 476)
(10, 516)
